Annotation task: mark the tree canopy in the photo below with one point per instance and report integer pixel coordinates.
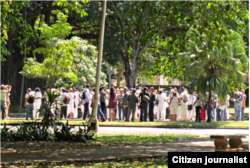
(67, 62)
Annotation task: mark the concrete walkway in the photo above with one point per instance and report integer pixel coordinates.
(158, 131)
(200, 144)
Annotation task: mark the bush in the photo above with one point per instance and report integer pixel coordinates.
(38, 132)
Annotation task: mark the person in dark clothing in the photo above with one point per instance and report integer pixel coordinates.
(168, 94)
(132, 99)
(85, 101)
(143, 105)
(151, 104)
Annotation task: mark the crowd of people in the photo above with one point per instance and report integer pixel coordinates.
(131, 104)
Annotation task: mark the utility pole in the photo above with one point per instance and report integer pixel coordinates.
(94, 122)
(21, 98)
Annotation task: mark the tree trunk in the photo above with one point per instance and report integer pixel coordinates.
(130, 79)
(209, 105)
(130, 73)
(119, 78)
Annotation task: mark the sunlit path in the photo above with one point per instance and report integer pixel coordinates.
(158, 131)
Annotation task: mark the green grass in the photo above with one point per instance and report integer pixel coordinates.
(231, 124)
(123, 140)
(158, 161)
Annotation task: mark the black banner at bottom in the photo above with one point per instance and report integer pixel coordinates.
(208, 159)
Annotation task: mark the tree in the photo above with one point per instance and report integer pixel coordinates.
(139, 24)
(209, 67)
(21, 38)
(207, 17)
(65, 60)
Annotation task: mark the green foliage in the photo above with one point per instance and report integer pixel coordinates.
(35, 131)
(67, 62)
(211, 20)
(213, 67)
(49, 118)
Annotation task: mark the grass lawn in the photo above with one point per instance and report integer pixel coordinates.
(161, 161)
(166, 124)
(102, 141)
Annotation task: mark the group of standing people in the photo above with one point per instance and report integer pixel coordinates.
(134, 104)
(67, 101)
(172, 105)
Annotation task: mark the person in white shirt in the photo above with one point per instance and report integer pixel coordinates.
(91, 95)
(165, 102)
(194, 109)
(76, 102)
(174, 103)
(161, 110)
(184, 103)
(4, 91)
(70, 108)
(190, 115)
(38, 102)
(198, 105)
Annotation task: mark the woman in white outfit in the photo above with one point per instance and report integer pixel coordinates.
(190, 116)
(161, 107)
(76, 101)
(174, 104)
(137, 111)
(38, 102)
(156, 105)
(91, 94)
(178, 115)
(71, 102)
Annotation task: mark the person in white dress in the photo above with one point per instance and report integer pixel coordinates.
(70, 109)
(184, 103)
(76, 102)
(174, 103)
(178, 116)
(165, 105)
(161, 107)
(190, 115)
(194, 110)
(156, 106)
(137, 111)
(37, 103)
(91, 94)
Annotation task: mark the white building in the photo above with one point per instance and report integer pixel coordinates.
(160, 81)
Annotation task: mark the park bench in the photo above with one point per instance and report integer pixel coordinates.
(234, 142)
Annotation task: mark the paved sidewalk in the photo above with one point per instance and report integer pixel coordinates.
(201, 144)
